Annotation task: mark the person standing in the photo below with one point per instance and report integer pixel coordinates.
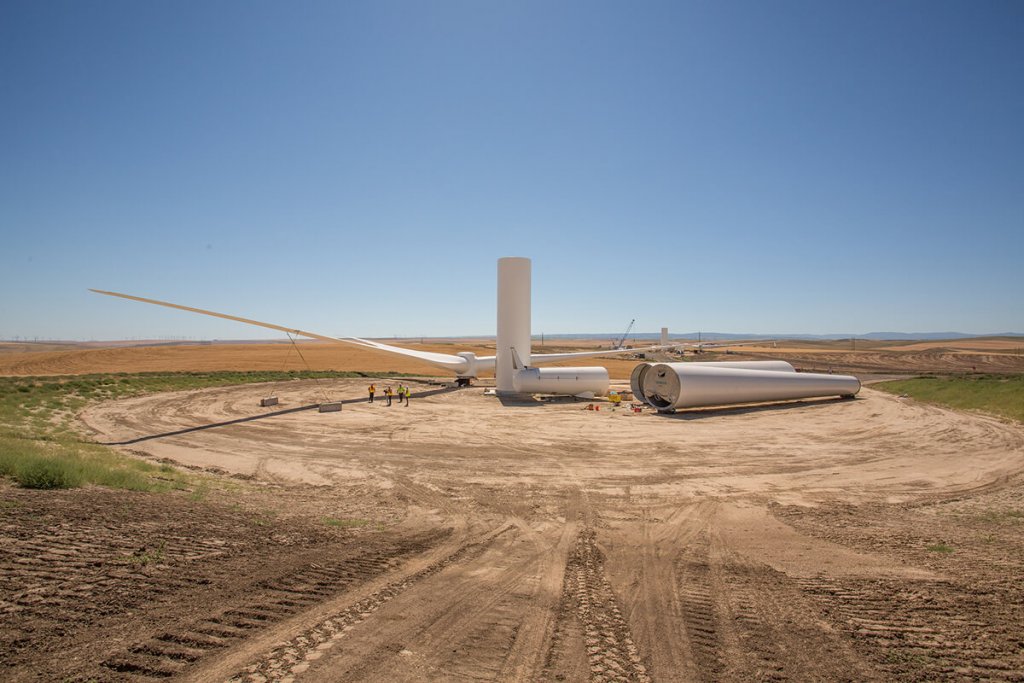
(401, 394)
(372, 391)
(387, 394)
(408, 393)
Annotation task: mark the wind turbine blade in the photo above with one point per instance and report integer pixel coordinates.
(442, 360)
(542, 358)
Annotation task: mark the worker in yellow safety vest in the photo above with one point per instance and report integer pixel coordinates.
(372, 391)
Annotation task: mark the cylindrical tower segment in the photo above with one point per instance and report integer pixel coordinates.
(689, 385)
(513, 319)
(636, 380)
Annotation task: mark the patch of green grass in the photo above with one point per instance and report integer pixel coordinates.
(200, 491)
(61, 464)
(49, 474)
(995, 394)
(346, 523)
(939, 548)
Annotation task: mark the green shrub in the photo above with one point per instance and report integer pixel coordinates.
(940, 548)
(47, 473)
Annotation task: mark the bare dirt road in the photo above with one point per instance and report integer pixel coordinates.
(460, 539)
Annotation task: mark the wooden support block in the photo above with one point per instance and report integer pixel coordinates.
(269, 401)
(330, 407)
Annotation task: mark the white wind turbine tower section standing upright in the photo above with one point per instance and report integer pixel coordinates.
(513, 337)
(515, 369)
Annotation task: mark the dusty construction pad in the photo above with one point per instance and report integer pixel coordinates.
(877, 446)
(877, 539)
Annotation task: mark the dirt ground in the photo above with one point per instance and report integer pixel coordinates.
(460, 538)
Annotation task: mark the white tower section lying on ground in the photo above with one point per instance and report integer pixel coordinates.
(670, 386)
(636, 380)
(513, 320)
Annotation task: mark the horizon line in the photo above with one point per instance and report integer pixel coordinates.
(687, 337)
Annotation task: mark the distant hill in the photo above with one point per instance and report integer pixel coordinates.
(51, 345)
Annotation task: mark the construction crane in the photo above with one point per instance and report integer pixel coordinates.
(625, 334)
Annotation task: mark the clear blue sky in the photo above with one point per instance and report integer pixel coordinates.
(357, 167)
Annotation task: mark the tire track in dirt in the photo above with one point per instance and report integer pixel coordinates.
(273, 599)
(493, 624)
(484, 630)
(966, 625)
(475, 640)
(295, 656)
(499, 623)
(59, 574)
(481, 656)
(702, 611)
(746, 621)
(591, 638)
(780, 635)
(698, 589)
(642, 549)
(81, 570)
(935, 630)
(537, 599)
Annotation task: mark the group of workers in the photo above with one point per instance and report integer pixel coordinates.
(389, 393)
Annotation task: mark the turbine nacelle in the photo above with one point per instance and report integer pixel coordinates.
(584, 382)
(472, 367)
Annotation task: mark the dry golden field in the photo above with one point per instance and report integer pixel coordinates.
(971, 355)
